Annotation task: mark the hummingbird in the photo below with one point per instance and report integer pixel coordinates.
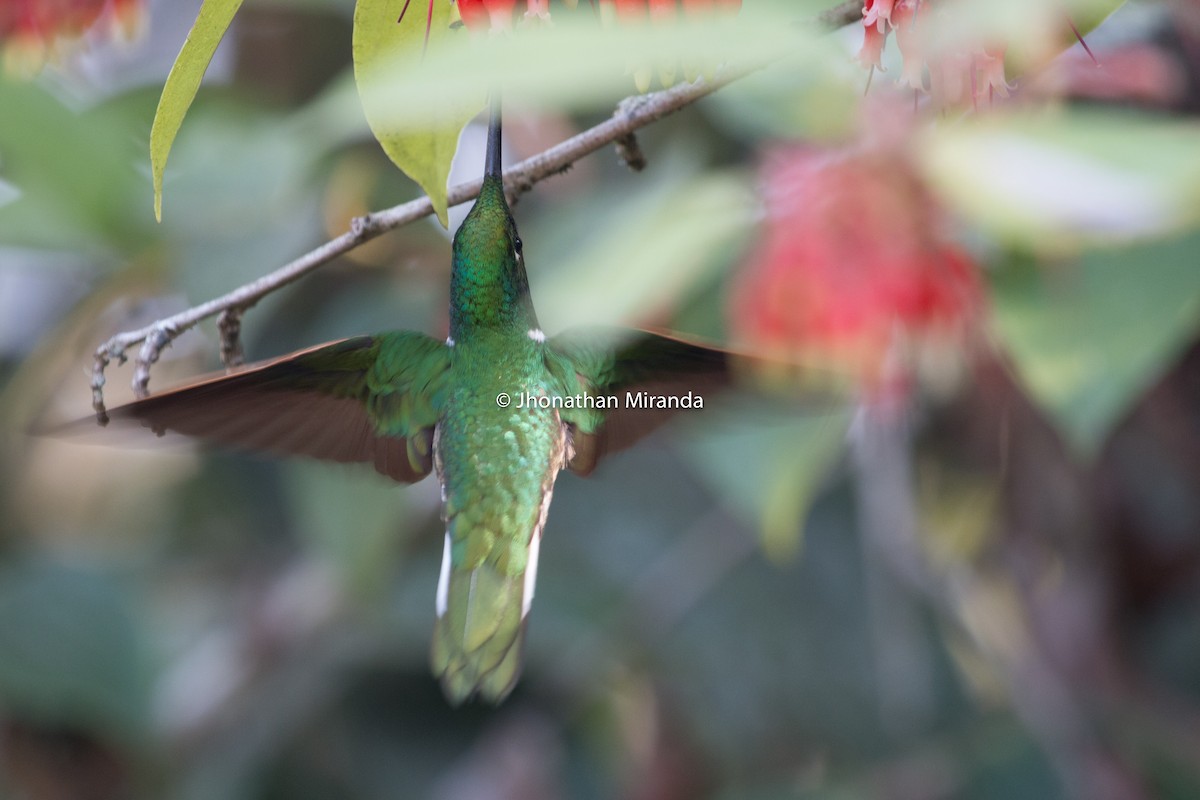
(411, 404)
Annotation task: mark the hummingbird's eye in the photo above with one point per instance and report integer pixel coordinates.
(517, 245)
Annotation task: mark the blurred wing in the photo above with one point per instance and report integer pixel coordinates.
(369, 399)
(614, 362)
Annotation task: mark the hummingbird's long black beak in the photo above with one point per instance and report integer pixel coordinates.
(492, 167)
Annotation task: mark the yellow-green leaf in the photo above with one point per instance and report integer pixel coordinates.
(424, 154)
(182, 83)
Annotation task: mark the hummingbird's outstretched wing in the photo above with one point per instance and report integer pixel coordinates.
(371, 399)
(618, 363)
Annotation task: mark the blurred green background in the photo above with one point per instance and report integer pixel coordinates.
(999, 598)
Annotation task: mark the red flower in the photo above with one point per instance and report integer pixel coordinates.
(31, 30)
(497, 15)
(662, 10)
(959, 72)
(701, 7)
(853, 272)
(537, 9)
(638, 10)
(877, 14)
(485, 14)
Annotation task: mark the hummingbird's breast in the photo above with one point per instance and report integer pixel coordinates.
(497, 454)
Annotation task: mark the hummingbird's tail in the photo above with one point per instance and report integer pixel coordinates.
(480, 629)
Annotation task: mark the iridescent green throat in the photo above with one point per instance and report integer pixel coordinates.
(489, 290)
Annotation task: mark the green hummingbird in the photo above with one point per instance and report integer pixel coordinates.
(410, 404)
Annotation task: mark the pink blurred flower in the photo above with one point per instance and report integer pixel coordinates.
(853, 272)
(487, 14)
(960, 73)
(33, 30)
(633, 11)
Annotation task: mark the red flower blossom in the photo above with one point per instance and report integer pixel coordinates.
(877, 14)
(32, 30)
(853, 272)
(959, 73)
(484, 14)
(539, 9)
(497, 15)
(700, 7)
(660, 10)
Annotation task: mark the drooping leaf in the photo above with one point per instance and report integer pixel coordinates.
(381, 43)
(183, 82)
(1089, 337)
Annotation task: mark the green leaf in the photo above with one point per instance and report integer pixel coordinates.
(182, 83)
(642, 257)
(1031, 30)
(1049, 182)
(1087, 338)
(423, 153)
(805, 97)
(572, 65)
(768, 467)
(8, 193)
(67, 180)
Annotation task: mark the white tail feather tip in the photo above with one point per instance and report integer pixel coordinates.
(535, 544)
(443, 590)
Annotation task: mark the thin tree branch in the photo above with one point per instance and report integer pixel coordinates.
(631, 114)
(842, 14)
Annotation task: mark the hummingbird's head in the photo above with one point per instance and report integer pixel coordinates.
(487, 238)
(488, 285)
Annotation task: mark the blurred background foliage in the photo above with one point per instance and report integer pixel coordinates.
(721, 612)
